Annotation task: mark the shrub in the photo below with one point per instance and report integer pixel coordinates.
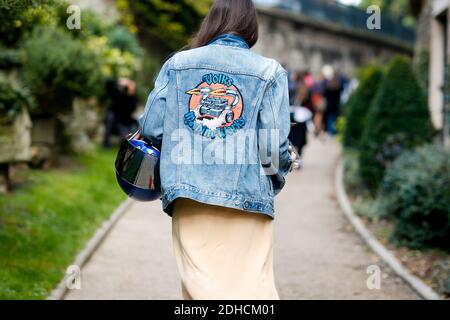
(19, 17)
(166, 25)
(113, 62)
(415, 192)
(59, 67)
(12, 100)
(92, 24)
(10, 58)
(341, 123)
(352, 179)
(358, 105)
(398, 120)
(119, 37)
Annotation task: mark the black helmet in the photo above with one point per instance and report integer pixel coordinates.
(137, 169)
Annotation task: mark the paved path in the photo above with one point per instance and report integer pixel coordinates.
(317, 255)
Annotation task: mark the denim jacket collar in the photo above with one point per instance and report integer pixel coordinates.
(230, 40)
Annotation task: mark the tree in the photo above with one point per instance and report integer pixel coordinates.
(359, 105)
(19, 17)
(56, 76)
(398, 9)
(399, 119)
(167, 26)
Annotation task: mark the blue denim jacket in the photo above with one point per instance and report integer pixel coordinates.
(220, 116)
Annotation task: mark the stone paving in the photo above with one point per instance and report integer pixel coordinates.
(317, 254)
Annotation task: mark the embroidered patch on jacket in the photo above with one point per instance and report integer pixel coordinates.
(215, 107)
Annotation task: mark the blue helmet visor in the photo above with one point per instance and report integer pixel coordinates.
(137, 170)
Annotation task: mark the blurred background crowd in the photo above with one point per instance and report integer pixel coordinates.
(316, 102)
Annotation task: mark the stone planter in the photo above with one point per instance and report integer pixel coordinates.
(64, 133)
(48, 139)
(44, 144)
(81, 126)
(15, 145)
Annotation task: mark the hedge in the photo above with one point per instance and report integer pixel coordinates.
(398, 120)
(416, 194)
(359, 104)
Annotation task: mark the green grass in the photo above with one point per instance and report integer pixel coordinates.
(45, 224)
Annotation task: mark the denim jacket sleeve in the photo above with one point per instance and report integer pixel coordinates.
(152, 121)
(274, 115)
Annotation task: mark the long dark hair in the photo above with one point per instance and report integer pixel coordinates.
(237, 17)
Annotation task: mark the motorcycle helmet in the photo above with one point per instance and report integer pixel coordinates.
(137, 169)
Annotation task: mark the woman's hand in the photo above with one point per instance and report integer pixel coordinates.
(138, 136)
(134, 136)
(293, 152)
(293, 156)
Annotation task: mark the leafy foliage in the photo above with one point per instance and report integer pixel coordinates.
(359, 104)
(12, 100)
(116, 47)
(92, 25)
(65, 71)
(11, 58)
(352, 178)
(399, 9)
(399, 119)
(112, 62)
(59, 64)
(119, 37)
(19, 17)
(168, 25)
(416, 193)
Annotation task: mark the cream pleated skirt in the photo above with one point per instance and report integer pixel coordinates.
(223, 253)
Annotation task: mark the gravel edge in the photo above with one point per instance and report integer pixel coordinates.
(61, 289)
(422, 289)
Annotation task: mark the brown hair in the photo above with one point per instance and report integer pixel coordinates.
(237, 17)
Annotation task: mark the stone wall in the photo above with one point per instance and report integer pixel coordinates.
(301, 43)
(438, 38)
(423, 29)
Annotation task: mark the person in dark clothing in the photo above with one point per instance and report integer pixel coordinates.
(119, 117)
(300, 114)
(332, 93)
(293, 79)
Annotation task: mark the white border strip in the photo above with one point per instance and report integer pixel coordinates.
(425, 291)
(60, 291)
